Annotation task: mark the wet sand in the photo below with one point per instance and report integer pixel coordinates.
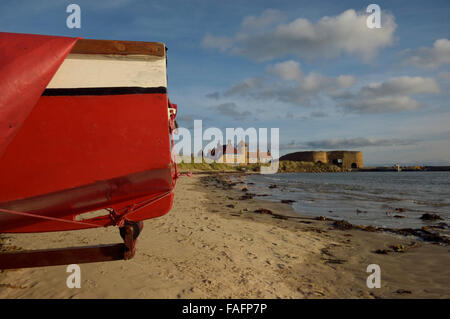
(215, 245)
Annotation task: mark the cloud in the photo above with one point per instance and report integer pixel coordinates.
(268, 18)
(266, 37)
(214, 95)
(288, 70)
(382, 104)
(347, 143)
(318, 114)
(389, 96)
(221, 43)
(433, 57)
(311, 116)
(245, 87)
(288, 84)
(232, 110)
(402, 85)
(316, 82)
(185, 118)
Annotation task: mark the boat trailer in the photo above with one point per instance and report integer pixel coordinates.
(76, 255)
(85, 126)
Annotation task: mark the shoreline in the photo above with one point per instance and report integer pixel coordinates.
(433, 233)
(215, 245)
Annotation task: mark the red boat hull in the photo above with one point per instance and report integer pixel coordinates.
(86, 149)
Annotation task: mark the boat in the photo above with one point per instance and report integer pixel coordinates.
(85, 141)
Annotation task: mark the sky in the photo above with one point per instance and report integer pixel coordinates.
(313, 69)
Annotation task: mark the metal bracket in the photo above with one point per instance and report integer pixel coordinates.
(76, 255)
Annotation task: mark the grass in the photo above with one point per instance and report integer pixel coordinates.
(284, 167)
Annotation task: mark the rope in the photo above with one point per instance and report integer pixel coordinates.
(47, 217)
(118, 220)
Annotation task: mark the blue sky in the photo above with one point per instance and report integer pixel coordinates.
(311, 68)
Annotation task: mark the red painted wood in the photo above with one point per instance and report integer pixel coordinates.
(61, 156)
(75, 154)
(27, 64)
(63, 256)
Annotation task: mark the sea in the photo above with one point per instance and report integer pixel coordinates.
(385, 199)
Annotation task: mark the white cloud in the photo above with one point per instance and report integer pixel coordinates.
(381, 104)
(316, 82)
(329, 37)
(232, 110)
(221, 43)
(268, 18)
(288, 84)
(288, 70)
(426, 57)
(389, 96)
(402, 85)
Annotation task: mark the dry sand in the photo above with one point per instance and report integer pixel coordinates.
(204, 249)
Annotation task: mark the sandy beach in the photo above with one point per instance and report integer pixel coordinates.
(214, 244)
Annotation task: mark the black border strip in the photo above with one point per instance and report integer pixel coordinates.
(104, 91)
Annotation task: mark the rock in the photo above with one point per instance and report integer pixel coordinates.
(230, 206)
(427, 216)
(400, 210)
(369, 228)
(273, 186)
(244, 189)
(441, 225)
(434, 238)
(342, 225)
(398, 216)
(398, 248)
(361, 211)
(263, 211)
(246, 196)
(322, 218)
(423, 233)
(279, 216)
(287, 201)
(335, 261)
(404, 231)
(403, 291)
(381, 251)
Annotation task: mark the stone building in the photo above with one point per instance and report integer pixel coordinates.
(345, 159)
(237, 155)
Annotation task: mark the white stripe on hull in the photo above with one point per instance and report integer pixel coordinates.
(92, 70)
